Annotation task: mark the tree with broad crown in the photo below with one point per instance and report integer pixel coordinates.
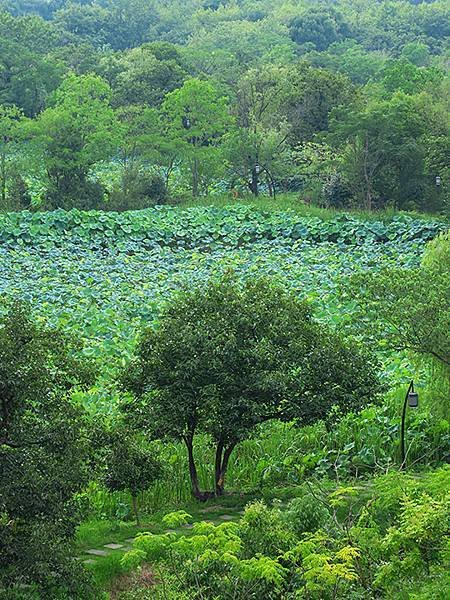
(196, 116)
(230, 355)
(80, 130)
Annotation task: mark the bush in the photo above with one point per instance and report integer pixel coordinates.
(75, 192)
(263, 531)
(137, 190)
(336, 192)
(19, 197)
(306, 514)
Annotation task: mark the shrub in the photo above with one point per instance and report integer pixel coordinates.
(132, 559)
(306, 514)
(336, 192)
(75, 192)
(19, 196)
(176, 519)
(263, 531)
(130, 466)
(137, 190)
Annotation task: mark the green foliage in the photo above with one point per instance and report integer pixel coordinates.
(176, 519)
(420, 539)
(130, 466)
(205, 228)
(411, 306)
(305, 514)
(247, 353)
(19, 196)
(44, 453)
(131, 103)
(144, 75)
(387, 534)
(384, 145)
(292, 64)
(318, 27)
(137, 190)
(263, 531)
(197, 115)
(78, 131)
(12, 133)
(132, 559)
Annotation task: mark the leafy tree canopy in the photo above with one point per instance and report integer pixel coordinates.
(228, 356)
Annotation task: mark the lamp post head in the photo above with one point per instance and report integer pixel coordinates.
(413, 399)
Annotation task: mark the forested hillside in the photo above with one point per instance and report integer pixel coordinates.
(123, 103)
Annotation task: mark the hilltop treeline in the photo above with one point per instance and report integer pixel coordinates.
(121, 103)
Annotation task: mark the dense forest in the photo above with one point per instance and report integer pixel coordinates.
(224, 300)
(123, 103)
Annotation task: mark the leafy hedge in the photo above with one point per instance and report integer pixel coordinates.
(201, 228)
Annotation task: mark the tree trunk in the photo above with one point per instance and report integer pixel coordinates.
(168, 173)
(195, 177)
(254, 185)
(367, 179)
(218, 468)
(189, 441)
(221, 467)
(135, 509)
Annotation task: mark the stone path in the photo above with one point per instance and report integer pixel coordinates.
(95, 554)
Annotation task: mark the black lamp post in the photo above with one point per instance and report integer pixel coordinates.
(411, 400)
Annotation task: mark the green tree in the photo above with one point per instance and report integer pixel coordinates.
(318, 27)
(147, 143)
(383, 145)
(310, 96)
(245, 43)
(262, 138)
(80, 130)
(416, 53)
(147, 74)
(404, 76)
(130, 466)
(44, 452)
(409, 309)
(27, 74)
(255, 155)
(351, 59)
(12, 132)
(196, 116)
(228, 356)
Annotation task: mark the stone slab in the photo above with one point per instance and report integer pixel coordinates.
(113, 546)
(96, 552)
